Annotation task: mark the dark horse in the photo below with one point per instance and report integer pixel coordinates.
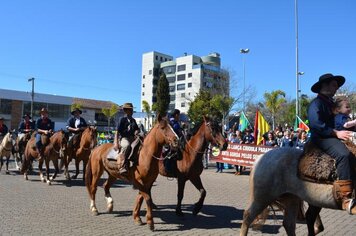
(88, 141)
(54, 150)
(141, 175)
(18, 150)
(191, 166)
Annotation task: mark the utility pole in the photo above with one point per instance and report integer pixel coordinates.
(32, 94)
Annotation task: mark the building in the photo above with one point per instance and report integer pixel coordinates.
(14, 104)
(186, 76)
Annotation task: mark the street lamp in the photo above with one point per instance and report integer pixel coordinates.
(244, 51)
(32, 93)
(296, 58)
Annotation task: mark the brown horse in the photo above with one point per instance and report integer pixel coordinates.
(191, 166)
(141, 175)
(6, 148)
(88, 140)
(54, 150)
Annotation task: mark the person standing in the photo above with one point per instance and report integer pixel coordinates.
(44, 126)
(328, 139)
(126, 130)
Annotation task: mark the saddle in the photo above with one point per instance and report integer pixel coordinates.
(318, 167)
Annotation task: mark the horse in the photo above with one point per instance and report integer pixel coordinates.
(88, 140)
(53, 151)
(18, 149)
(6, 149)
(275, 178)
(191, 166)
(141, 175)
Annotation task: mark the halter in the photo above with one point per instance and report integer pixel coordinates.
(160, 158)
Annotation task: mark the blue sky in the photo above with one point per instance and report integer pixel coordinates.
(93, 49)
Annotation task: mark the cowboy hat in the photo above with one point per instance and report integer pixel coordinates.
(76, 110)
(327, 78)
(28, 115)
(127, 105)
(43, 110)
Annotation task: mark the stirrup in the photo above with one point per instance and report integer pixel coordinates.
(350, 205)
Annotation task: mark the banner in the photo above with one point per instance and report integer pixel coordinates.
(299, 124)
(240, 154)
(261, 127)
(243, 123)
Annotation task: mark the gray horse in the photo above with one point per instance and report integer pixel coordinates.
(274, 177)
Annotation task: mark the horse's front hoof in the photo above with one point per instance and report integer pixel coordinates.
(179, 213)
(196, 209)
(74, 177)
(318, 230)
(7, 172)
(152, 227)
(138, 222)
(110, 208)
(49, 182)
(25, 177)
(154, 206)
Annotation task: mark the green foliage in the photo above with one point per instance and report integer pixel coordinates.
(146, 107)
(274, 102)
(110, 112)
(205, 104)
(75, 105)
(163, 98)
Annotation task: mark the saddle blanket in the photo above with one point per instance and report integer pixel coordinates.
(112, 154)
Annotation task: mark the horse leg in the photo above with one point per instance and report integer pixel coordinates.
(314, 223)
(40, 163)
(1, 163)
(109, 201)
(7, 165)
(47, 171)
(137, 208)
(85, 162)
(94, 172)
(198, 185)
(149, 218)
(291, 209)
(181, 185)
(56, 169)
(76, 168)
(154, 206)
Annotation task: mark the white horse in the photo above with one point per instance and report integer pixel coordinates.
(6, 149)
(274, 177)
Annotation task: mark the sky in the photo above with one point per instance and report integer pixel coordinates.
(93, 49)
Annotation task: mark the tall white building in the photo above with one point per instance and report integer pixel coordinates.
(186, 76)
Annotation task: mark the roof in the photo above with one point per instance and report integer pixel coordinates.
(91, 103)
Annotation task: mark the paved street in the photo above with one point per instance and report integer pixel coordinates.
(34, 208)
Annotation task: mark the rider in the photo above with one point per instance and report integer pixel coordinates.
(44, 125)
(328, 139)
(75, 124)
(3, 128)
(125, 134)
(26, 125)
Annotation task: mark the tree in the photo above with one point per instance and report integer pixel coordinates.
(222, 104)
(75, 105)
(163, 97)
(147, 110)
(274, 102)
(110, 112)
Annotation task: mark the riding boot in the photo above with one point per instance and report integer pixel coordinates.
(123, 166)
(343, 193)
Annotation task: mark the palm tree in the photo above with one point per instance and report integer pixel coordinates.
(109, 113)
(147, 110)
(274, 102)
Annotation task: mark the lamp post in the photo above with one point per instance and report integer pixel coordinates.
(244, 51)
(296, 59)
(32, 93)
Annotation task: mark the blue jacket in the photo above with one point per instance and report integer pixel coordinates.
(44, 124)
(22, 126)
(321, 118)
(127, 127)
(340, 120)
(176, 127)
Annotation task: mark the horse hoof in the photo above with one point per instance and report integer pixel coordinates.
(74, 177)
(152, 227)
(49, 182)
(154, 206)
(43, 180)
(7, 172)
(95, 213)
(179, 213)
(25, 177)
(138, 222)
(110, 208)
(318, 230)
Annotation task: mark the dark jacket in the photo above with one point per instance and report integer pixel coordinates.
(340, 120)
(127, 127)
(71, 122)
(3, 130)
(44, 124)
(321, 118)
(29, 125)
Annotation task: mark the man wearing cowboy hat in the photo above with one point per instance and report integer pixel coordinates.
(44, 125)
(3, 128)
(75, 124)
(328, 139)
(26, 125)
(124, 136)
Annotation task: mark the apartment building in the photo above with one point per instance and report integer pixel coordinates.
(186, 76)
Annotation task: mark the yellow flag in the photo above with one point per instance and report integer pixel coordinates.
(261, 127)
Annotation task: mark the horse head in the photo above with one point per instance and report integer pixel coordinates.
(89, 136)
(165, 134)
(213, 133)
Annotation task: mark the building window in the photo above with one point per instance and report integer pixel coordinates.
(171, 79)
(180, 86)
(171, 88)
(172, 98)
(156, 57)
(5, 107)
(182, 95)
(143, 85)
(161, 58)
(181, 68)
(154, 99)
(171, 107)
(189, 85)
(190, 75)
(143, 93)
(143, 76)
(182, 104)
(165, 59)
(180, 77)
(150, 72)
